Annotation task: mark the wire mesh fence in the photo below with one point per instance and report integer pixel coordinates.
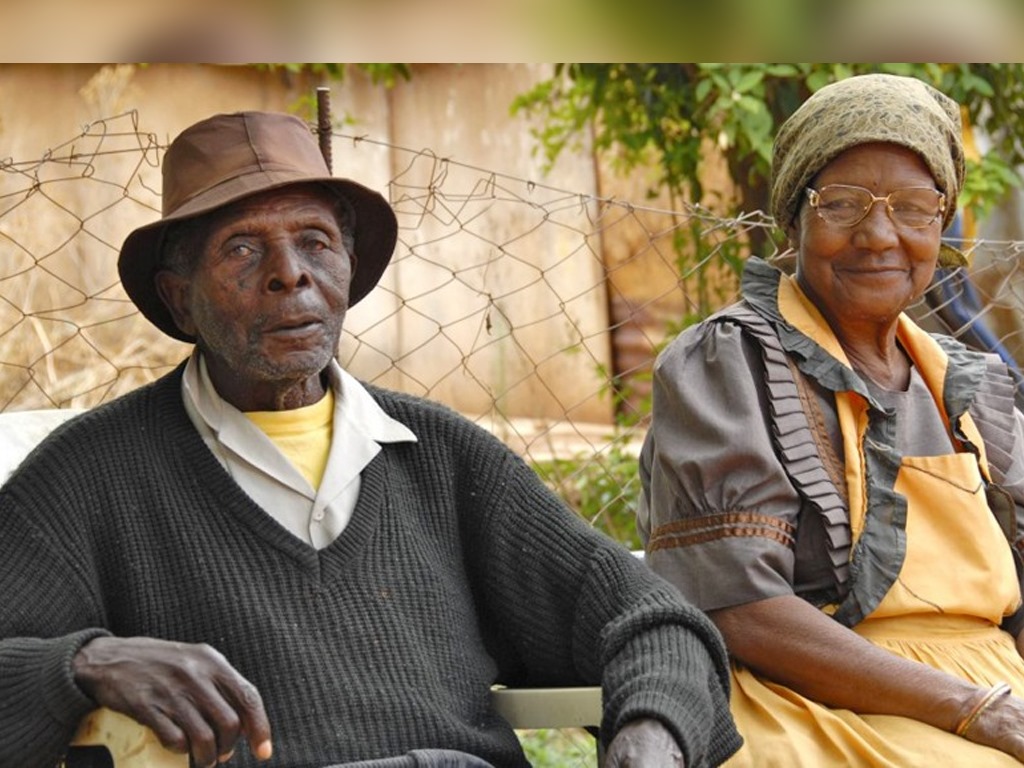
(536, 311)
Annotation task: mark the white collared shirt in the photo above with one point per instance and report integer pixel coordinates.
(315, 515)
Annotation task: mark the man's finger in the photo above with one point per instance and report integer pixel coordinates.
(253, 716)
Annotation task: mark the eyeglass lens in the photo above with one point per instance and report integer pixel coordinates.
(847, 205)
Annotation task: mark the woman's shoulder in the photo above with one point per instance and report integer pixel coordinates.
(731, 332)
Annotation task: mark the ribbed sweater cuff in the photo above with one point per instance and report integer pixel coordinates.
(41, 705)
(680, 678)
(701, 744)
(64, 700)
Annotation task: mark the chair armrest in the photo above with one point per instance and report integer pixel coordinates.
(130, 744)
(548, 707)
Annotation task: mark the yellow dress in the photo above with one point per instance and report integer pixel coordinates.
(784, 729)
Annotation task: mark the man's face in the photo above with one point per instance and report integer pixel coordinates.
(267, 297)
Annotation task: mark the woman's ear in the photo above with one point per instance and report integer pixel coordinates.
(793, 235)
(173, 290)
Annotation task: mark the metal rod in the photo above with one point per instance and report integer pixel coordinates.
(323, 123)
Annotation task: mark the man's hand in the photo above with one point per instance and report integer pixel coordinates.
(644, 744)
(189, 695)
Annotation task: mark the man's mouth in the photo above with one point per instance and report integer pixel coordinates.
(294, 325)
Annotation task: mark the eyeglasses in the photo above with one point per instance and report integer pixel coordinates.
(846, 206)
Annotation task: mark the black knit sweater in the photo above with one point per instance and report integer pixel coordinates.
(458, 569)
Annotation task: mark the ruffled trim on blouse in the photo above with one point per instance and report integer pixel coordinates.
(992, 406)
(797, 447)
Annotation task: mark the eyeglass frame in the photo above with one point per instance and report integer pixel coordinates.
(814, 197)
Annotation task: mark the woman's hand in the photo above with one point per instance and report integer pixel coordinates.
(189, 695)
(644, 743)
(999, 726)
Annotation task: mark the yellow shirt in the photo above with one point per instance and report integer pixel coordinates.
(302, 434)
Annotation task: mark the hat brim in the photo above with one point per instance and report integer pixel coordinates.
(376, 233)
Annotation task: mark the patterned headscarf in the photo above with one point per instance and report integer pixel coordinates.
(860, 110)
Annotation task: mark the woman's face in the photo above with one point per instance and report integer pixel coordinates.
(872, 271)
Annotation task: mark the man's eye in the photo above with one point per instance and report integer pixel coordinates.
(241, 250)
(316, 244)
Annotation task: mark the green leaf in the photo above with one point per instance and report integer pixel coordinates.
(703, 89)
(975, 83)
(750, 104)
(781, 70)
(842, 71)
(818, 79)
(749, 81)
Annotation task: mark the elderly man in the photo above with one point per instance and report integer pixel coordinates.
(263, 559)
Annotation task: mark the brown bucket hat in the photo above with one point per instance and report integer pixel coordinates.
(228, 157)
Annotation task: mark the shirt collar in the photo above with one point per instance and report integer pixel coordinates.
(354, 407)
(358, 410)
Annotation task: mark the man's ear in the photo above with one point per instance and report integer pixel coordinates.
(173, 290)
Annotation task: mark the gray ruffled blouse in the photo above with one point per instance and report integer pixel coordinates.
(743, 492)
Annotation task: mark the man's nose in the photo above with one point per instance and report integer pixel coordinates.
(286, 267)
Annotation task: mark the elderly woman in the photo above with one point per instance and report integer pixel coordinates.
(839, 490)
